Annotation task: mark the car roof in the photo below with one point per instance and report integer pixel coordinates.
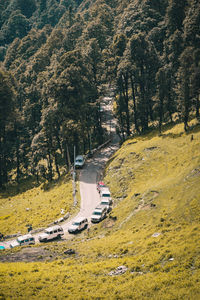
(104, 199)
(101, 183)
(79, 219)
(53, 228)
(25, 237)
(79, 157)
(100, 207)
(106, 189)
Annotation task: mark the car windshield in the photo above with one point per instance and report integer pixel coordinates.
(97, 213)
(76, 223)
(105, 195)
(104, 202)
(79, 160)
(46, 231)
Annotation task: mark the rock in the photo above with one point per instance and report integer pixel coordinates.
(118, 271)
(59, 220)
(114, 218)
(150, 148)
(70, 252)
(136, 194)
(156, 234)
(66, 216)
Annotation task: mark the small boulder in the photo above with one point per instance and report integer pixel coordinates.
(70, 252)
(118, 271)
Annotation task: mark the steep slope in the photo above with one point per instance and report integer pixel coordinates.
(152, 233)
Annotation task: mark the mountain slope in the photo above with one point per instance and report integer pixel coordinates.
(153, 231)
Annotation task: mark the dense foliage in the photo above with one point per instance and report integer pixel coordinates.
(56, 55)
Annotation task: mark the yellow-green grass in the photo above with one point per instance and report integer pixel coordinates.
(37, 206)
(155, 183)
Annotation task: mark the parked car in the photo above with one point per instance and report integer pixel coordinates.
(101, 110)
(100, 185)
(105, 193)
(78, 225)
(107, 202)
(99, 214)
(79, 161)
(23, 240)
(51, 233)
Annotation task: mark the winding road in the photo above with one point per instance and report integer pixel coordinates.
(91, 171)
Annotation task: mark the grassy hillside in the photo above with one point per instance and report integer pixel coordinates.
(35, 205)
(153, 231)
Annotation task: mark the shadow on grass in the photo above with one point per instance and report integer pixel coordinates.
(193, 129)
(13, 188)
(153, 131)
(56, 182)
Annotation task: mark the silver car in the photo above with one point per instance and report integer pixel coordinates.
(54, 232)
(78, 225)
(23, 240)
(99, 214)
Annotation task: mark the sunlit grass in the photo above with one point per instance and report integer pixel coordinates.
(37, 206)
(155, 183)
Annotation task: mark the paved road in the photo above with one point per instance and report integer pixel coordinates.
(90, 174)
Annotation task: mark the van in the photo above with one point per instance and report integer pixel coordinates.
(54, 232)
(23, 240)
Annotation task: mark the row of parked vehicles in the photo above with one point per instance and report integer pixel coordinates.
(56, 232)
(51, 233)
(99, 213)
(105, 205)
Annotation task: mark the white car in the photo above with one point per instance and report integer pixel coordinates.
(107, 203)
(99, 214)
(23, 240)
(105, 193)
(54, 232)
(78, 225)
(79, 161)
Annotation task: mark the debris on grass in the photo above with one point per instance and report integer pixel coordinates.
(118, 271)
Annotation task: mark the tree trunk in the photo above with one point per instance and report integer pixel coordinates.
(144, 117)
(50, 172)
(17, 153)
(126, 98)
(4, 158)
(121, 116)
(186, 101)
(134, 106)
(197, 107)
(56, 164)
(160, 114)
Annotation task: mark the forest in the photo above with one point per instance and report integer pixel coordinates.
(56, 56)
